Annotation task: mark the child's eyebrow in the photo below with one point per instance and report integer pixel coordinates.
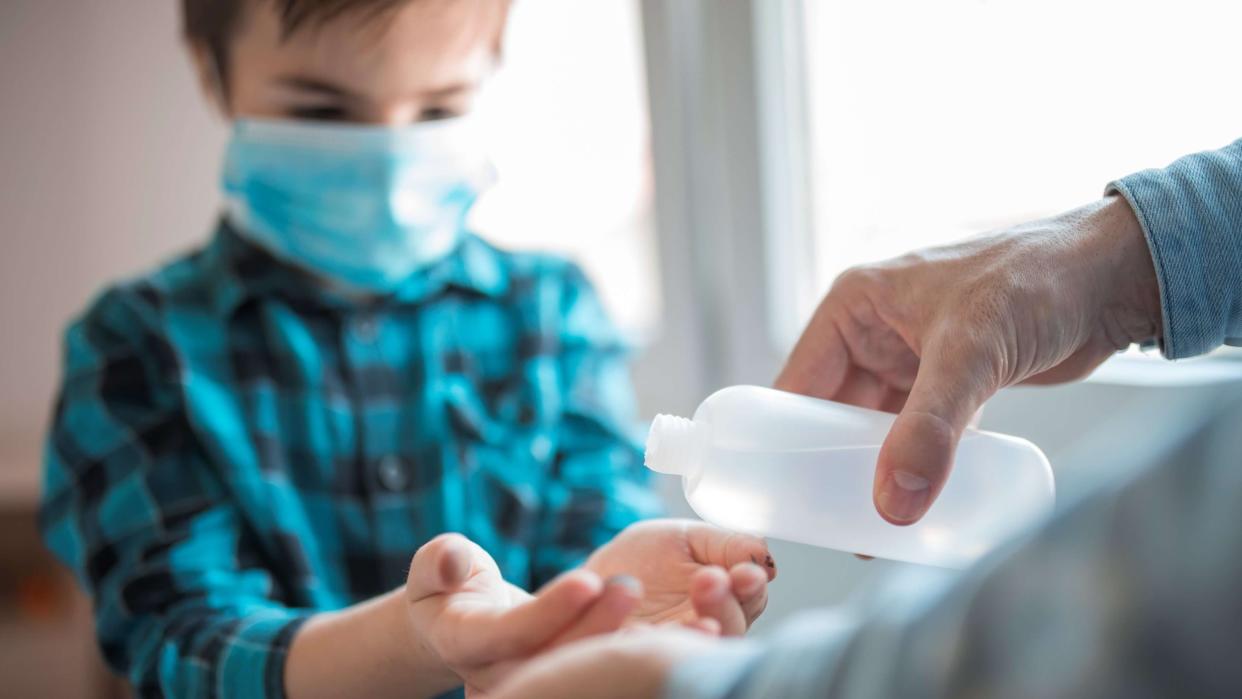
(448, 90)
(314, 85)
(323, 87)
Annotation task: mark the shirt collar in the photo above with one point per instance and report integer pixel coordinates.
(246, 271)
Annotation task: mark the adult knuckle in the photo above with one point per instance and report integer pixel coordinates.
(858, 277)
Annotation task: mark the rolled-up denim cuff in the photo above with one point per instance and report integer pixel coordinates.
(1166, 341)
(1189, 214)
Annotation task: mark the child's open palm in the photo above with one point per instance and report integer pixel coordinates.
(690, 571)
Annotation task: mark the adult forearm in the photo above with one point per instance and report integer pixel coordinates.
(367, 650)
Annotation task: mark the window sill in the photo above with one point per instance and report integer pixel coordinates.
(1136, 369)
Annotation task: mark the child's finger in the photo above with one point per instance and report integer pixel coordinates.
(523, 629)
(711, 594)
(485, 680)
(441, 565)
(717, 547)
(750, 587)
(605, 615)
(708, 626)
(620, 597)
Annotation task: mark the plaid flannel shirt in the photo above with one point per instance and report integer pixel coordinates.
(236, 447)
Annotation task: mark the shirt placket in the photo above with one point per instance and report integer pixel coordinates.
(384, 472)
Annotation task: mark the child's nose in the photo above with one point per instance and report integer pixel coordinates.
(398, 114)
(391, 115)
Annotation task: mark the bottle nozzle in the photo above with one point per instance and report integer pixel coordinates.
(673, 445)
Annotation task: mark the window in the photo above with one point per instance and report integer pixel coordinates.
(935, 120)
(566, 117)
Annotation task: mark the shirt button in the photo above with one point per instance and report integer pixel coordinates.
(541, 447)
(393, 474)
(365, 329)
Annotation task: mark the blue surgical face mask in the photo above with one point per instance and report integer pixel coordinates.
(363, 206)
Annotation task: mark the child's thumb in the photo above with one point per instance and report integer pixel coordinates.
(441, 565)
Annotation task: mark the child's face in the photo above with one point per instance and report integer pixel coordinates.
(426, 60)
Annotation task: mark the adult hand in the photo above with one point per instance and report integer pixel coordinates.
(934, 334)
(477, 627)
(633, 664)
(690, 571)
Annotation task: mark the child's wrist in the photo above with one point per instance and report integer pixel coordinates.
(414, 648)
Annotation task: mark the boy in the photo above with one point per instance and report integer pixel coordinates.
(251, 443)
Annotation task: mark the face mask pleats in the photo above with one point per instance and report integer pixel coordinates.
(362, 206)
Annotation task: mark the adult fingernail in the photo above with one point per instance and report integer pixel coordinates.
(904, 497)
(629, 582)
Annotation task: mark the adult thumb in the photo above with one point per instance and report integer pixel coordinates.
(914, 463)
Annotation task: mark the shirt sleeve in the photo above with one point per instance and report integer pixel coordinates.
(183, 606)
(598, 484)
(1191, 213)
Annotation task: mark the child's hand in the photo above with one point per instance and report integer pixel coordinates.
(477, 625)
(691, 571)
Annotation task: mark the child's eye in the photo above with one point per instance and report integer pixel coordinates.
(436, 114)
(318, 113)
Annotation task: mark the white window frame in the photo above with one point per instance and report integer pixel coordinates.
(732, 197)
(734, 209)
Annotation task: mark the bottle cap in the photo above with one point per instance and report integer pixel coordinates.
(673, 445)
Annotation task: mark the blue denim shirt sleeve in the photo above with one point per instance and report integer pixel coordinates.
(1191, 213)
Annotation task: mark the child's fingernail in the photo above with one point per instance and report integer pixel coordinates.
(708, 626)
(750, 586)
(629, 582)
(717, 587)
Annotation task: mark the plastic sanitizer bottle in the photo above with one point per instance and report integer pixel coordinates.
(791, 467)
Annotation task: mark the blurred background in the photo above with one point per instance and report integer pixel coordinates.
(713, 164)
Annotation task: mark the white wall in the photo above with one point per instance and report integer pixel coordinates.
(110, 162)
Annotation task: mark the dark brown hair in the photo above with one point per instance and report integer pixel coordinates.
(211, 23)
